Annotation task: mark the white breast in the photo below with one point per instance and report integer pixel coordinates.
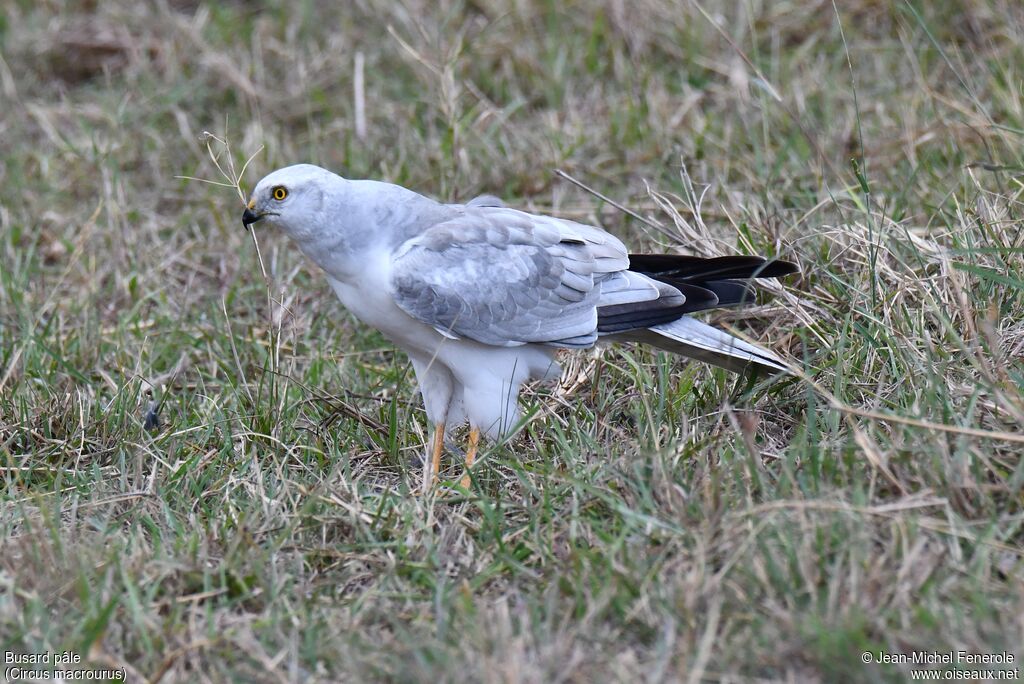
(372, 304)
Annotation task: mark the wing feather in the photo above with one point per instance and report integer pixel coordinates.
(506, 278)
(503, 277)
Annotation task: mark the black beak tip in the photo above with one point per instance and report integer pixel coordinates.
(249, 217)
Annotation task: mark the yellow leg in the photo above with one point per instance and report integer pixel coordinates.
(474, 440)
(433, 467)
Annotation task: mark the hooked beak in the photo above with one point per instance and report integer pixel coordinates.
(250, 217)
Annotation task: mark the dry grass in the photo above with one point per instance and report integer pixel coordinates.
(706, 529)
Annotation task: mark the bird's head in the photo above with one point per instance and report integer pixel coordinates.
(294, 200)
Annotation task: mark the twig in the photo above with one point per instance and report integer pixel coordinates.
(233, 180)
(359, 95)
(605, 198)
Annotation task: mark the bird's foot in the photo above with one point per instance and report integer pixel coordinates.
(474, 441)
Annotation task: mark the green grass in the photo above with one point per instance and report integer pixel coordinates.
(655, 520)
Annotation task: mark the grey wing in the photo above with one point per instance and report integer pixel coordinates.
(507, 278)
(485, 201)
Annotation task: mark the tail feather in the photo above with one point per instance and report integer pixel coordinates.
(689, 337)
(703, 284)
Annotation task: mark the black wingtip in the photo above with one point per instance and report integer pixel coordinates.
(696, 269)
(780, 268)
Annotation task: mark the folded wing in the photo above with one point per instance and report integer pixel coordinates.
(506, 278)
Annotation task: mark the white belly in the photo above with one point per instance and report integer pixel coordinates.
(374, 306)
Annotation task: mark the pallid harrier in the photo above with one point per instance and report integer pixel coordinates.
(481, 296)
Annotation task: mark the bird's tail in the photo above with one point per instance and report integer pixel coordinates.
(689, 337)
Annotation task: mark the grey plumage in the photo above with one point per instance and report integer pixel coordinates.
(480, 295)
(506, 278)
(495, 276)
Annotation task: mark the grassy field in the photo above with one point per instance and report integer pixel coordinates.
(655, 520)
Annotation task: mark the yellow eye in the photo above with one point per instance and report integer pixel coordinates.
(279, 193)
